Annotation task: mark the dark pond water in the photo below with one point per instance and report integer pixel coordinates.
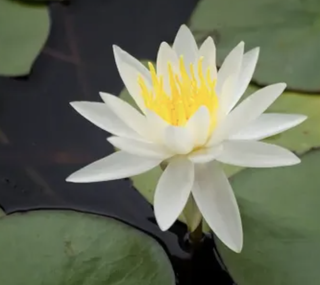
(42, 140)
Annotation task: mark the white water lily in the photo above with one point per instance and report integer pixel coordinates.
(189, 117)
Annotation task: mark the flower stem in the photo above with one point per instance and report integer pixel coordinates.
(197, 235)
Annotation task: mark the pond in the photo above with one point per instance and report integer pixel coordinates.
(43, 140)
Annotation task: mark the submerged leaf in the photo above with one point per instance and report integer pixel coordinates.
(65, 247)
(24, 29)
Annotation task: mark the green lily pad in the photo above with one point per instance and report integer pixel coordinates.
(24, 29)
(70, 248)
(280, 213)
(287, 32)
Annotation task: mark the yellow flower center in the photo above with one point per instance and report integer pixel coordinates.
(187, 92)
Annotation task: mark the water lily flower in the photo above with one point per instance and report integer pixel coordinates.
(190, 117)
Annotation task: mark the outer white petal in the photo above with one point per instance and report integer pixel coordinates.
(166, 55)
(185, 45)
(198, 126)
(268, 125)
(173, 191)
(178, 139)
(205, 155)
(248, 66)
(100, 115)
(217, 203)
(115, 166)
(129, 69)
(230, 66)
(139, 148)
(256, 154)
(129, 115)
(208, 51)
(246, 112)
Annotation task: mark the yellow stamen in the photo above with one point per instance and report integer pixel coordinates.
(188, 90)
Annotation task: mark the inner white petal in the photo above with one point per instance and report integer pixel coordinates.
(208, 52)
(139, 148)
(130, 69)
(205, 155)
(185, 45)
(178, 139)
(198, 126)
(166, 55)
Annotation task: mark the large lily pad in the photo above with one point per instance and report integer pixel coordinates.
(69, 248)
(287, 32)
(280, 212)
(24, 29)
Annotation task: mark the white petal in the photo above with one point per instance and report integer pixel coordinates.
(100, 115)
(173, 191)
(129, 115)
(178, 139)
(130, 69)
(205, 155)
(198, 126)
(268, 125)
(139, 148)
(230, 66)
(185, 45)
(248, 66)
(246, 112)
(256, 154)
(227, 94)
(156, 126)
(208, 51)
(217, 203)
(166, 55)
(115, 166)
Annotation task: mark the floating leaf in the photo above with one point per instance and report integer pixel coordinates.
(24, 29)
(280, 213)
(65, 247)
(287, 32)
